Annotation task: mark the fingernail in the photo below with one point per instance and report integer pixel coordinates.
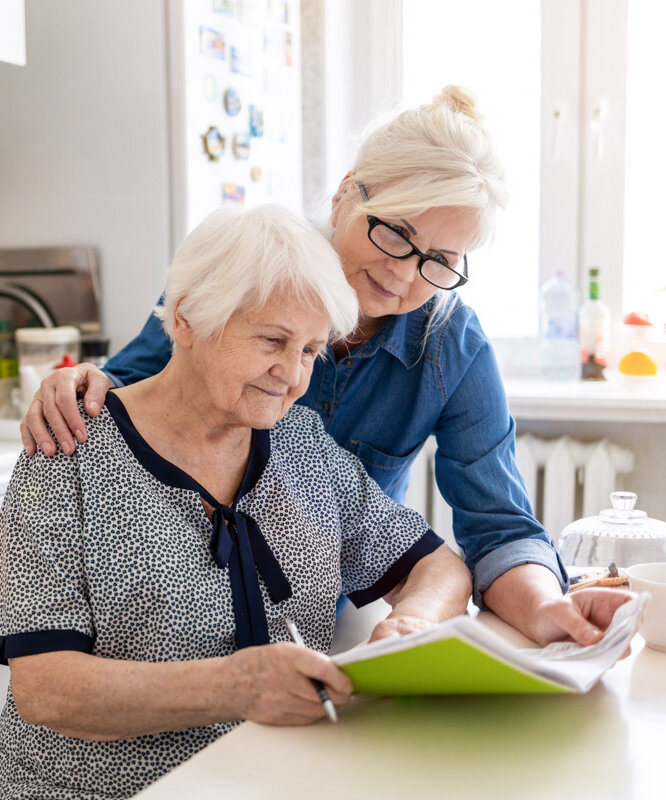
(47, 448)
(93, 405)
(67, 449)
(80, 436)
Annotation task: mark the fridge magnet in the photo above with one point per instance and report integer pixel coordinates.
(288, 51)
(256, 121)
(233, 193)
(211, 43)
(240, 145)
(232, 101)
(227, 7)
(210, 87)
(241, 61)
(255, 173)
(213, 143)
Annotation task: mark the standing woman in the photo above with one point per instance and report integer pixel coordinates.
(420, 198)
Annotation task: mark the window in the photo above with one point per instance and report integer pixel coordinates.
(572, 98)
(644, 284)
(570, 90)
(450, 42)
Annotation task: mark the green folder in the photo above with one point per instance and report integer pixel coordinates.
(448, 666)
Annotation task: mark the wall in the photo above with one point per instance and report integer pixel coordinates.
(83, 145)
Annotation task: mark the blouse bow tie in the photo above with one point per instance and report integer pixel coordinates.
(240, 544)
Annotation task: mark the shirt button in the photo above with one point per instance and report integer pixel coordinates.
(326, 405)
(349, 362)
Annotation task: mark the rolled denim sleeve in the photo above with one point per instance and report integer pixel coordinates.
(477, 474)
(146, 355)
(514, 554)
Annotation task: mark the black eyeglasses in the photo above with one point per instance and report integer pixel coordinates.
(390, 240)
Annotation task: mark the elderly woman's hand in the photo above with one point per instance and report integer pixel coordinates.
(55, 403)
(272, 684)
(400, 626)
(437, 588)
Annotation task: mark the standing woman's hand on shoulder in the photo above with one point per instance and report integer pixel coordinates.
(55, 403)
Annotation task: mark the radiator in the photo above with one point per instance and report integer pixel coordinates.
(565, 478)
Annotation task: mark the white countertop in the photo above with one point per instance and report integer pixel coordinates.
(610, 401)
(605, 744)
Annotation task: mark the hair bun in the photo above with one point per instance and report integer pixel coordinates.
(456, 99)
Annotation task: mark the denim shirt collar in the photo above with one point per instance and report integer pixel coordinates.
(401, 336)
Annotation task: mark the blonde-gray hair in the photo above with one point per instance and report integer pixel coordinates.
(237, 258)
(438, 154)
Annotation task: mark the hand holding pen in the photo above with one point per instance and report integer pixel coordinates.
(329, 708)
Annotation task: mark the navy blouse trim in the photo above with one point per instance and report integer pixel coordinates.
(34, 642)
(429, 542)
(237, 541)
(165, 471)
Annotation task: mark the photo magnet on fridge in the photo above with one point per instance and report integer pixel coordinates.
(232, 101)
(211, 43)
(232, 193)
(227, 7)
(256, 121)
(240, 61)
(213, 143)
(240, 145)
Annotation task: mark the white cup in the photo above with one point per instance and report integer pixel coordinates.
(651, 578)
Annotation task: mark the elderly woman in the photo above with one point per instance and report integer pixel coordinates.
(420, 198)
(145, 581)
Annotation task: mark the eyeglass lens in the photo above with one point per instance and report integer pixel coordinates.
(393, 244)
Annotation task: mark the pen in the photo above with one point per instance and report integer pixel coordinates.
(326, 701)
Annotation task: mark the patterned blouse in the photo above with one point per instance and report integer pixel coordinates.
(110, 552)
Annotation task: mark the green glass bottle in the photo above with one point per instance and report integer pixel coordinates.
(594, 330)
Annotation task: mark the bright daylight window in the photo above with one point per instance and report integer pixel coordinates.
(453, 42)
(644, 285)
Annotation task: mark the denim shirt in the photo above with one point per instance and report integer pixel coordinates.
(391, 393)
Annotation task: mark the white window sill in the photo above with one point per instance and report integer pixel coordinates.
(603, 401)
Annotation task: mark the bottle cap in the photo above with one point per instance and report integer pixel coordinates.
(67, 361)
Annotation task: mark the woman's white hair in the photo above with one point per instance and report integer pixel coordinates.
(234, 259)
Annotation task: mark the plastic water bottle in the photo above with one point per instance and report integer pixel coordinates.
(560, 357)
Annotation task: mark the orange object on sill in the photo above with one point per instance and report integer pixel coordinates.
(637, 363)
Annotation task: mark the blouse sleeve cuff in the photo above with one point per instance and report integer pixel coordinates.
(514, 554)
(34, 642)
(398, 570)
(117, 383)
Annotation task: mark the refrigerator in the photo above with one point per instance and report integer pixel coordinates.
(235, 106)
(132, 121)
